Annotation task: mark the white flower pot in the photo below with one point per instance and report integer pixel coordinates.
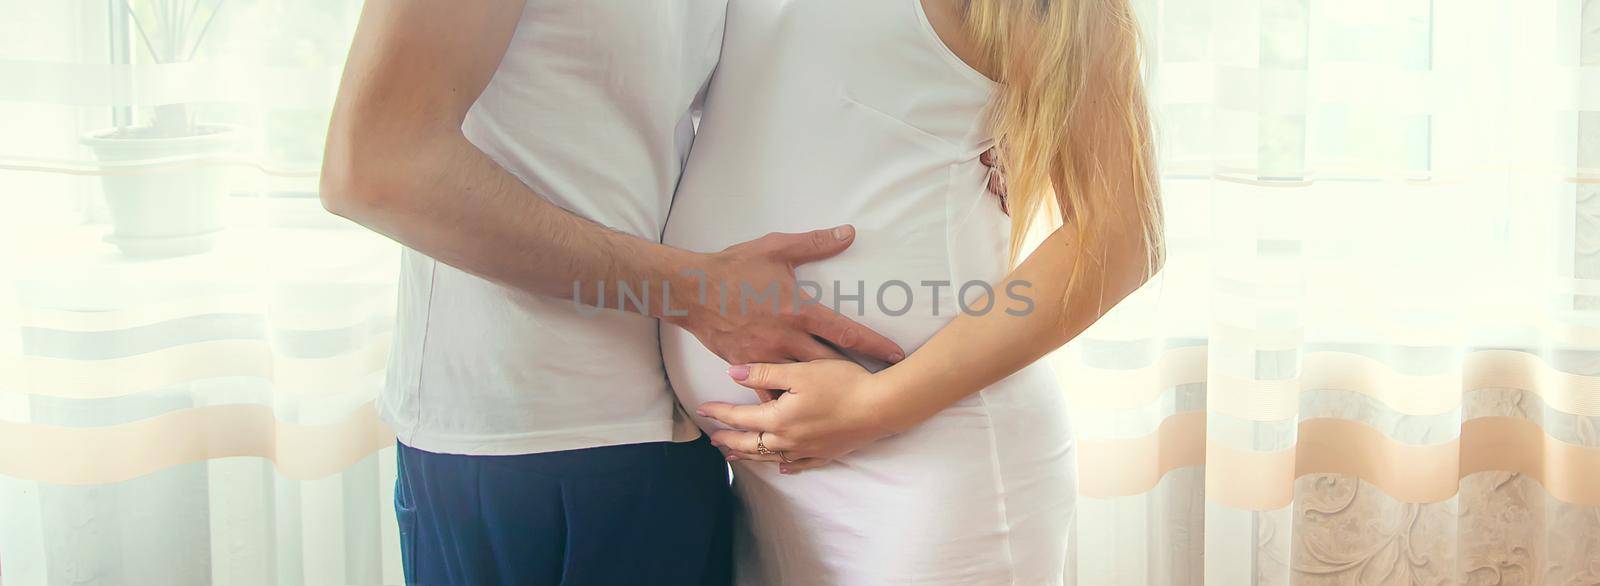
(164, 198)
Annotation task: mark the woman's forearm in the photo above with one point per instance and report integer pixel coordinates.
(974, 351)
(834, 407)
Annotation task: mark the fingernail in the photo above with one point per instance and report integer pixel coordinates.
(740, 372)
(733, 458)
(843, 232)
(782, 470)
(700, 412)
(896, 357)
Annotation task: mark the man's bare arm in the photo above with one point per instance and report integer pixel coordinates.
(398, 163)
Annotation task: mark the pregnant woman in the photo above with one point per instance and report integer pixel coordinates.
(956, 465)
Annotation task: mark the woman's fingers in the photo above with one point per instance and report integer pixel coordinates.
(997, 177)
(762, 376)
(990, 158)
(749, 441)
(735, 456)
(997, 186)
(747, 444)
(801, 465)
(758, 417)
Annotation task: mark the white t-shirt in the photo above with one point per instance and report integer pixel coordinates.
(591, 108)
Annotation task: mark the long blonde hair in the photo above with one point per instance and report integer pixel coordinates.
(1072, 104)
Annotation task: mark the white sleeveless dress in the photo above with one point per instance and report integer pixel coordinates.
(827, 112)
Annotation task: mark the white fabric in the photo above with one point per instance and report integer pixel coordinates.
(874, 123)
(591, 108)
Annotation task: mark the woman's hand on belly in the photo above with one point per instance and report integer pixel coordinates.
(828, 408)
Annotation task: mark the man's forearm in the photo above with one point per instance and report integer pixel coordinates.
(445, 198)
(397, 162)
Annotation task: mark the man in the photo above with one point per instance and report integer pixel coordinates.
(522, 151)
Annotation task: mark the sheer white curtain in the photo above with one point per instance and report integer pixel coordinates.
(187, 402)
(1372, 358)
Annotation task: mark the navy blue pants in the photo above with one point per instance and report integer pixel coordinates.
(654, 513)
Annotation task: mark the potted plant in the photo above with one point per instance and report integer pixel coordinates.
(164, 199)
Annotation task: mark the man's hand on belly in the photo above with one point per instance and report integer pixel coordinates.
(745, 306)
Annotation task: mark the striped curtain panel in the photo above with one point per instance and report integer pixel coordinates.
(1373, 357)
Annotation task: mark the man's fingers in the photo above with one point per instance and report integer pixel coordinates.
(810, 349)
(758, 417)
(811, 246)
(844, 333)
